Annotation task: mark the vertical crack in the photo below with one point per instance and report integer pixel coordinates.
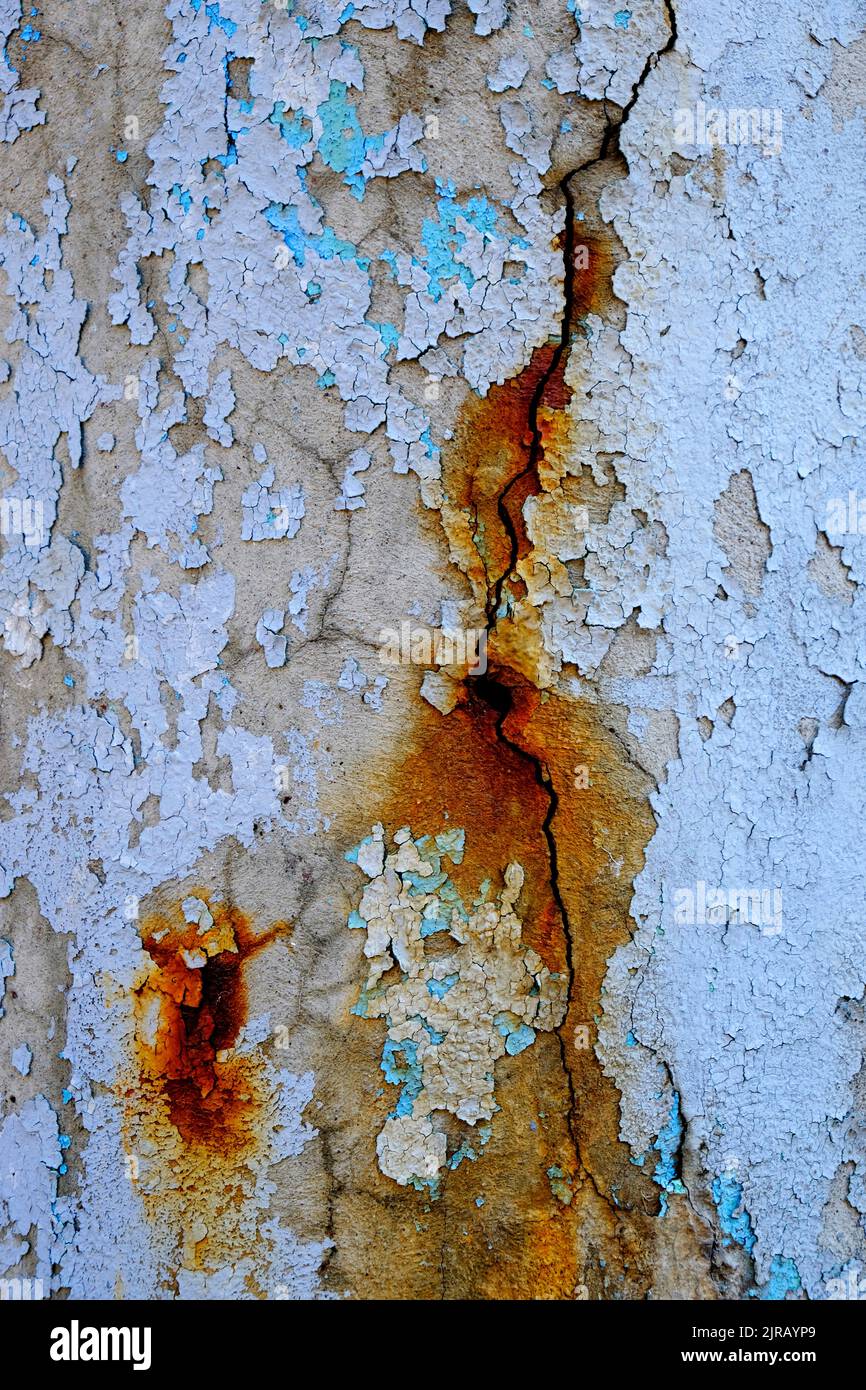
(493, 691)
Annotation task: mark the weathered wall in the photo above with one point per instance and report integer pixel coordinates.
(336, 961)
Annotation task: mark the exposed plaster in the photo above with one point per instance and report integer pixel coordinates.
(643, 537)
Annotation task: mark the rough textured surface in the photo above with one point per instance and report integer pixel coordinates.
(443, 419)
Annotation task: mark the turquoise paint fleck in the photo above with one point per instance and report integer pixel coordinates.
(297, 131)
(519, 1040)
(560, 1185)
(452, 843)
(667, 1145)
(216, 20)
(465, 1151)
(442, 240)
(439, 988)
(406, 1075)
(342, 144)
(733, 1217)
(784, 1279)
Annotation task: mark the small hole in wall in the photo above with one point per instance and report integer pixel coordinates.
(493, 693)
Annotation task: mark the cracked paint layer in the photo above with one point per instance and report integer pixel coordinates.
(454, 1011)
(568, 271)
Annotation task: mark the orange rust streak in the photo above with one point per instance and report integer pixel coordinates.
(592, 280)
(458, 773)
(190, 1012)
(492, 449)
(491, 463)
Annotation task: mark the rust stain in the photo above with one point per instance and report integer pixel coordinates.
(189, 1013)
(197, 1109)
(504, 766)
(501, 441)
(457, 772)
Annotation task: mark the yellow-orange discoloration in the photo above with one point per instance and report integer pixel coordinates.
(507, 764)
(189, 1012)
(197, 1110)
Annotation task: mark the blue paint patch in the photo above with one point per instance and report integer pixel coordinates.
(784, 1279)
(667, 1145)
(284, 218)
(465, 1151)
(407, 1074)
(297, 131)
(183, 196)
(452, 843)
(121, 156)
(216, 20)
(68, 680)
(621, 18)
(439, 988)
(390, 259)
(519, 1040)
(442, 241)
(733, 1217)
(389, 334)
(433, 1033)
(431, 922)
(342, 144)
